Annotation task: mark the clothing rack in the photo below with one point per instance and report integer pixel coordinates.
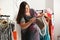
(5, 32)
(40, 11)
(4, 16)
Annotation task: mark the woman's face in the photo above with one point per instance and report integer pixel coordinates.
(27, 9)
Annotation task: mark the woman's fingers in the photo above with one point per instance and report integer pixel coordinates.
(33, 19)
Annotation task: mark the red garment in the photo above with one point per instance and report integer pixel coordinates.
(51, 27)
(50, 23)
(14, 33)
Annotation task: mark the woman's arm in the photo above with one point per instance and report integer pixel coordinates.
(26, 25)
(47, 16)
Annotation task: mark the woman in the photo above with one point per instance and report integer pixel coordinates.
(27, 23)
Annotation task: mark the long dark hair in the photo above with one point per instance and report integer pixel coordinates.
(21, 12)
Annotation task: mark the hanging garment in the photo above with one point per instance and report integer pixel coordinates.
(51, 26)
(44, 34)
(6, 29)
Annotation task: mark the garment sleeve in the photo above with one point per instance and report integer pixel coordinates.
(22, 20)
(33, 12)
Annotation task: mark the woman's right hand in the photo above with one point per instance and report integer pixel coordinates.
(33, 19)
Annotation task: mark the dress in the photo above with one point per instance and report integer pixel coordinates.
(44, 33)
(47, 36)
(31, 33)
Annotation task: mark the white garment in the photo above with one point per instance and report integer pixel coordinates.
(18, 30)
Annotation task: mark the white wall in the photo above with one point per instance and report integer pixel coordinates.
(57, 17)
(36, 4)
(49, 4)
(7, 7)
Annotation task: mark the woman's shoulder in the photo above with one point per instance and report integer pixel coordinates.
(22, 19)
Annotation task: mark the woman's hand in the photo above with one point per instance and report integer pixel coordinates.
(33, 19)
(26, 25)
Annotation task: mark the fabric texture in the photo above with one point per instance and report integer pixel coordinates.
(47, 36)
